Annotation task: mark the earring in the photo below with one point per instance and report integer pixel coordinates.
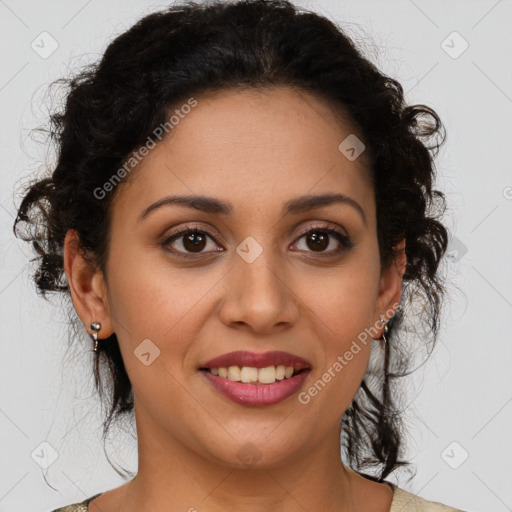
(95, 326)
(385, 329)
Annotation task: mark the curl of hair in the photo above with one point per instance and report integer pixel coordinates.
(114, 105)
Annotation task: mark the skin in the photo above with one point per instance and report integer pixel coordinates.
(256, 150)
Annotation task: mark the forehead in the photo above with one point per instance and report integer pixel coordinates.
(247, 144)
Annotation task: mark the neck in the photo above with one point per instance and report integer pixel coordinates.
(174, 476)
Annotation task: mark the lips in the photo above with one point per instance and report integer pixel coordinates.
(256, 360)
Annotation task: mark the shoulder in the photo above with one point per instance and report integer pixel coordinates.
(405, 501)
(77, 507)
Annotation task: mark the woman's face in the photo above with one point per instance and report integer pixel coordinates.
(250, 281)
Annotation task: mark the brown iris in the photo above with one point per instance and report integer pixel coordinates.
(320, 241)
(194, 241)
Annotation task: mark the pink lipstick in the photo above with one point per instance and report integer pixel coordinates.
(256, 393)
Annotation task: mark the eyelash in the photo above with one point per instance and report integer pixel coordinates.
(345, 242)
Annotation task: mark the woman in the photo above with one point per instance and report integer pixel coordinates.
(241, 212)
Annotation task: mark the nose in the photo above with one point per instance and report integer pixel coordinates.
(259, 295)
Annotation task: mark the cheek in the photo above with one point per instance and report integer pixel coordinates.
(155, 323)
(343, 300)
(148, 296)
(156, 309)
(339, 313)
(345, 356)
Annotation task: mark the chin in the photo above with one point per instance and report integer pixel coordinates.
(259, 452)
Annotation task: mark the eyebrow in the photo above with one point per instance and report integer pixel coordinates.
(215, 206)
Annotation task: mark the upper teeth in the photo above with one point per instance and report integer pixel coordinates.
(248, 374)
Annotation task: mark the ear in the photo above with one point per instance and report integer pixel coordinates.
(87, 286)
(390, 288)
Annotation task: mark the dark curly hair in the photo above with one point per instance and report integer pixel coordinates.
(112, 106)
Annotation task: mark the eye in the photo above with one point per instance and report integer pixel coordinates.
(189, 242)
(192, 242)
(319, 238)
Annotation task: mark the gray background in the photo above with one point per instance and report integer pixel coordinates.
(460, 402)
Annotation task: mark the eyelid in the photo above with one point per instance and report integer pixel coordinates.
(218, 235)
(328, 225)
(215, 235)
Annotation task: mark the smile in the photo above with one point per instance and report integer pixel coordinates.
(256, 394)
(256, 379)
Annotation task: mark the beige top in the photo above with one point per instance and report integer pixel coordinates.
(403, 501)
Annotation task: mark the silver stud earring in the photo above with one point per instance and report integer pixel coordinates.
(385, 329)
(95, 326)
